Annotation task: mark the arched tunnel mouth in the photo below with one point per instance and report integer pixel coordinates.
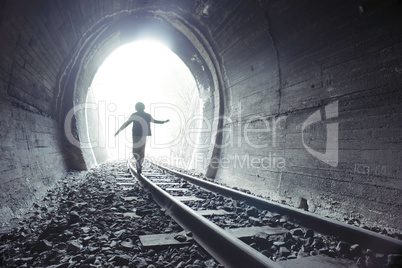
(144, 71)
(183, 39)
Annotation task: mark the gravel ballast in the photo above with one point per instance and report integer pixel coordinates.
(89, 221)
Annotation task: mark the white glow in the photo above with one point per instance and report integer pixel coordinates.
(145, 71)
(137, 71)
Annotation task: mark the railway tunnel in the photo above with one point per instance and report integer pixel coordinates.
(301, 101)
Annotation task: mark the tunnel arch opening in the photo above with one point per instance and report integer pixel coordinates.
(147, 71)
(183, 38)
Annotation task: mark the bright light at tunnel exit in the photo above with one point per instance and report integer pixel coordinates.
(149, 72)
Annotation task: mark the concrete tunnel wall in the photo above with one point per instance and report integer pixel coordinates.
(309, 95)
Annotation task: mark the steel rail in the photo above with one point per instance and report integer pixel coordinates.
(345, 232)
(224, 247)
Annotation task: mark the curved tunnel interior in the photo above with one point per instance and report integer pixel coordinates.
(300, 102)
(121, 32)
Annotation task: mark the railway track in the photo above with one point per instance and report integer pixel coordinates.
(241, 230)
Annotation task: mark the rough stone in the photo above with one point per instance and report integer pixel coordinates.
(343, 248)
(309, 233)
(284, 252)
(74, 218)
(127, 244)
(43, 245)
(180, 238)
(356, 250)
(252, 212)
(297, 232)
(74, 246)
(120, 260)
